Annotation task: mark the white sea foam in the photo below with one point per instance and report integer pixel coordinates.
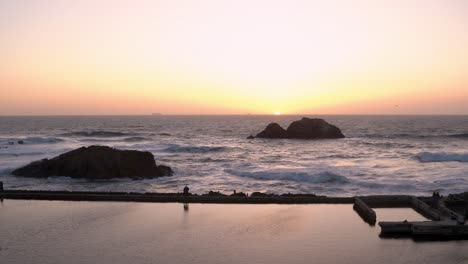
(291, 175)
(442, 157)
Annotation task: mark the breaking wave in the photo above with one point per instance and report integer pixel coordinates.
(195, 149)
(442, 157)
(97, 133)
(322, 177)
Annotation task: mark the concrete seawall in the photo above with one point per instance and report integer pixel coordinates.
(367, 213)
(168, 197)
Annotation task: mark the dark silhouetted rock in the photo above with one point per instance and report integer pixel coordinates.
(311, 128)
(97, 162)
(273, 130)
(306, 128)
(250, 137)
(21, 142)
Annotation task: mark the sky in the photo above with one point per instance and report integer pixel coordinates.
(60, 57)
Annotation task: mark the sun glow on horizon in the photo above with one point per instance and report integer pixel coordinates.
(277, 113)
(231, 57)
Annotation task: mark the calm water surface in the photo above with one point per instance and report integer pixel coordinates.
(103, 232)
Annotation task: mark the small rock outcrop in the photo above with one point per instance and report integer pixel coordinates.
(306, 128)
(97, 162)
(273, 130)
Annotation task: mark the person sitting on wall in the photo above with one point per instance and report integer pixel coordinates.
(186, 190)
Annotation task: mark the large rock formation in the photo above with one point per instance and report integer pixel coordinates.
(97, 162)
(306, 128)
(273, 130)
(309, 128)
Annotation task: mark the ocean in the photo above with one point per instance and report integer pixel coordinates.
(380, 154)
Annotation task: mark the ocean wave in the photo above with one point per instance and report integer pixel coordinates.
(386, 144)
(442, 157)
(322, 177)
(338, 156)
(413, 136)
(97, 133)
(6, 171)
(19, 154)
(136, 139)
(31, 140)
(113, 140)
(42, 140)
(209, 159)
(393, 136)
(462, 135)
(195, 149)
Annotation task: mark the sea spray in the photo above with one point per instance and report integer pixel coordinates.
(286, 175)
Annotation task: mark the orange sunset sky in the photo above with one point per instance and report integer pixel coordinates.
(233, 57)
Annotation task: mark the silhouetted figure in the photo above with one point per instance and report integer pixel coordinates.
(234, 192)
(1, 186)
(186, 190)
